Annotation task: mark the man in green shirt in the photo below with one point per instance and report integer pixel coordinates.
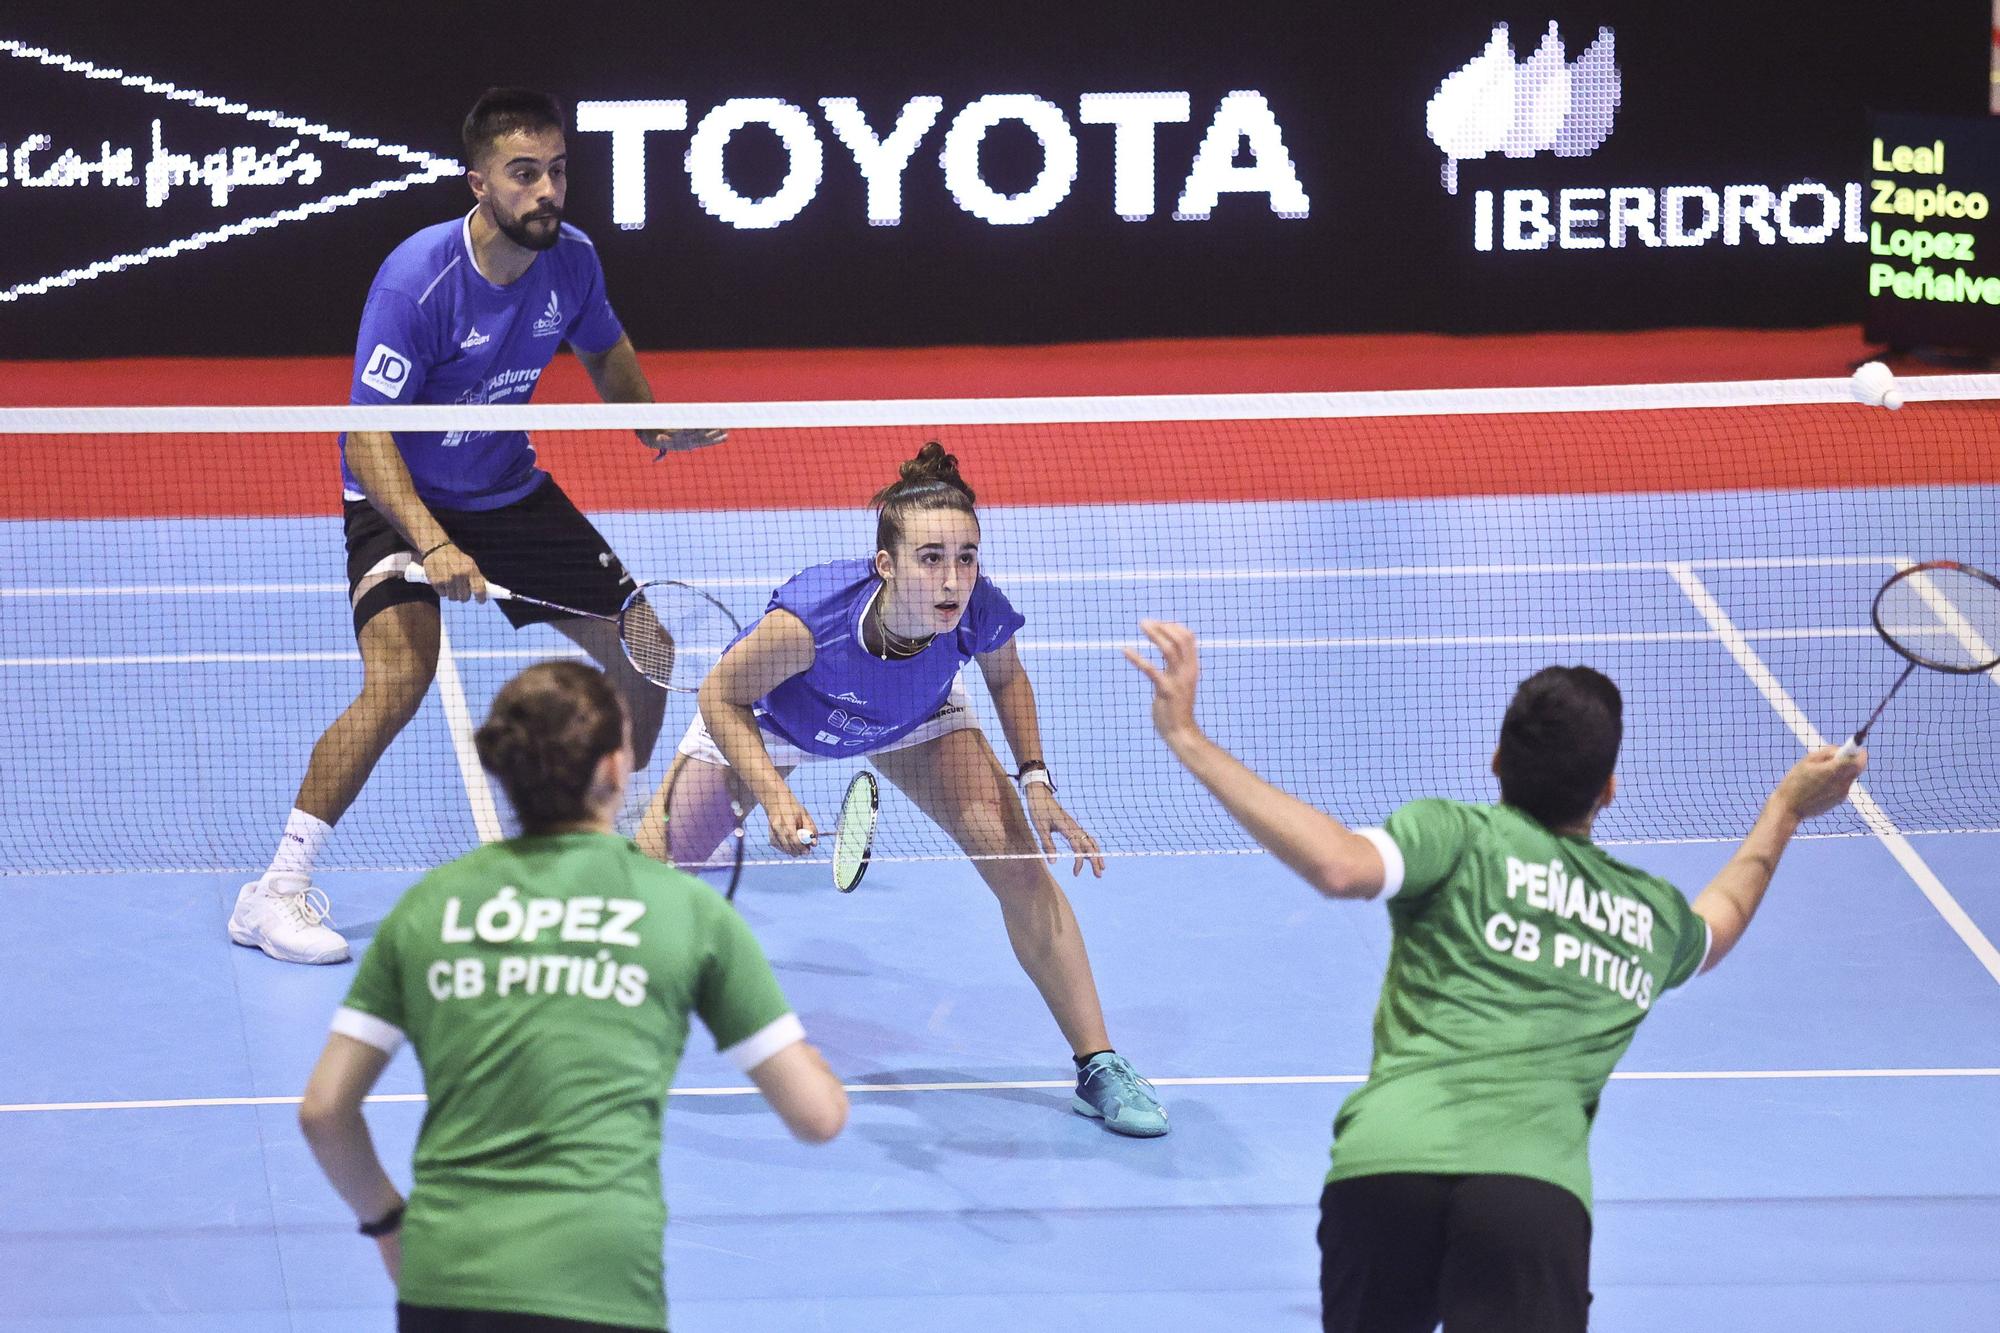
(1522, 959)
(546, 984)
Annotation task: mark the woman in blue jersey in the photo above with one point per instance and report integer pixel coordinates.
(861, 657)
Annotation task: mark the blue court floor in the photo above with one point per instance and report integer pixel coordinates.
(1804, 1139)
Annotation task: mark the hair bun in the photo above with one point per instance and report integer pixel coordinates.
(932, 463)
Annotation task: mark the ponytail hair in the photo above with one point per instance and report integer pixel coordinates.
(928, 481)
(549, 728)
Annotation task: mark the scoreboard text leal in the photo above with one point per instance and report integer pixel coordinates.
(1930, 273)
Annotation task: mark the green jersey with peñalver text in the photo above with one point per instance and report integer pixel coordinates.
(1521, 962)
(545, 984)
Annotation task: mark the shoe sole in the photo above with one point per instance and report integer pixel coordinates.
(1084, 1108)
(252, 940)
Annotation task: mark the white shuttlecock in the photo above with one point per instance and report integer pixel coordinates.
(1875, 384)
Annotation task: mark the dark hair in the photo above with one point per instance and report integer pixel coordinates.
(1559, 743)
(502, 111)
(928, 481)
(547, 731)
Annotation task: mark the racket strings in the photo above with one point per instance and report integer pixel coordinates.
(647, 640)
(668, 627)
(1946, 619)
(854, 838)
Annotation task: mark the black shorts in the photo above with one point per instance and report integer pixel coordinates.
(541, 545)
(1484, 1253)
(435, 1319)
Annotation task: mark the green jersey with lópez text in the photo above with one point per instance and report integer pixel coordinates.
(545, 984)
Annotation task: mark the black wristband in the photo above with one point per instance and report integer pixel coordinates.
(386, 1225)
(435, 549)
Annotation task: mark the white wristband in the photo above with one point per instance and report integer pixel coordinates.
(1040, 775)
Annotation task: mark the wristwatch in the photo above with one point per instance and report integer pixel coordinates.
(1034, 770)
(387, 1224)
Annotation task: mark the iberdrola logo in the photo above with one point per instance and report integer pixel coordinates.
(1545, 103)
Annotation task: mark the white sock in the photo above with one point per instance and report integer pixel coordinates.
(299, 847)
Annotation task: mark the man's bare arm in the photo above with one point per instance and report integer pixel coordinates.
(618, 377)
(1816, 784)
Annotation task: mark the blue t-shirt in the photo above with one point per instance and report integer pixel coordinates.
(849, 701)
(435, 331)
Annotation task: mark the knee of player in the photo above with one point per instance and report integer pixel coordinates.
(984, 829)
(1021, 883)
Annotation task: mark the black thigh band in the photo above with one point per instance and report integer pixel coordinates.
(391, 591)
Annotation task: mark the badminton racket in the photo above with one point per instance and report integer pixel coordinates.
(854, 836)
(672, 632)
(1941, 615)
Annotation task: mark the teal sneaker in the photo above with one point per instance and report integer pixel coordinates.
(1108, 1089)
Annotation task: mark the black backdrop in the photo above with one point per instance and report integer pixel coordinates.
(1770, 93)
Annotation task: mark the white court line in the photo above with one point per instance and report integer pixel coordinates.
(1550, 640)
(567, 650)
(1216, 643)
(175, 659)
(458, 720)
(769, 581)
(1038, 1085)
(1864, 802)
(168, 589)
(350, 655)
(1437, 571)
(959, 858)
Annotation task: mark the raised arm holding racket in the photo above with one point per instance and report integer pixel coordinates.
(1522, 959)
(861, 658)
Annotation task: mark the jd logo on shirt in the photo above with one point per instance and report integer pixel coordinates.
(388, 371)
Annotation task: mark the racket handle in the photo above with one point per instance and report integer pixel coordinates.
(414, 573)
(1849, 750)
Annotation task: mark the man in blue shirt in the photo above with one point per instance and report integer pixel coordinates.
(467, 311)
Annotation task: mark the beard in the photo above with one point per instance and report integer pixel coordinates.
(518, 231)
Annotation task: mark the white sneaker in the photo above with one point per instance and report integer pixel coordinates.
(289, 919)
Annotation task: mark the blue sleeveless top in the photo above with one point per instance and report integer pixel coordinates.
(849, 701)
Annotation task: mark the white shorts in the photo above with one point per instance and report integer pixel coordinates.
(954, 714)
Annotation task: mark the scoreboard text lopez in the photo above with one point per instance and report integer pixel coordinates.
(1933, 254)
